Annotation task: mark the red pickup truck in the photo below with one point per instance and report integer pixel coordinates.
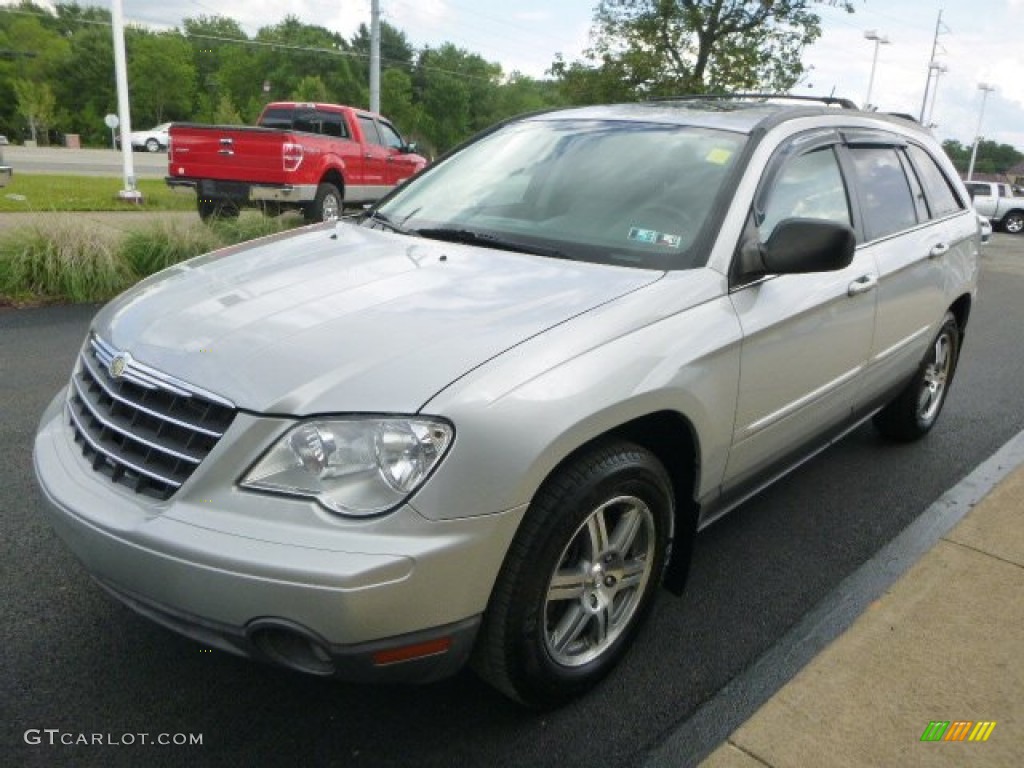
(314, 157)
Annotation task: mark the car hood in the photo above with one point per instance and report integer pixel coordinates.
(339, 318)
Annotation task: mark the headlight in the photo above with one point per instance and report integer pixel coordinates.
(356, 466)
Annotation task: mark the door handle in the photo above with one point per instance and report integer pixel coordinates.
(939, 249)
(862, 284)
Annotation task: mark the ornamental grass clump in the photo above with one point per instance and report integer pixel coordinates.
(62, 260)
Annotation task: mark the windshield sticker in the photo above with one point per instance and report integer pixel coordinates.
(654, 237)
(718, 156)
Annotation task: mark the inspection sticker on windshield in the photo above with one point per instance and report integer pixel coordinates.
(654, 237)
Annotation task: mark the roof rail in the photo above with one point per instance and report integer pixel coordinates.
(827, 100)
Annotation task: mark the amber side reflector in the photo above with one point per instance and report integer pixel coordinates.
(410, 652)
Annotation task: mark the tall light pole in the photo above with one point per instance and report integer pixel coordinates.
(872, 34)
(940, 69)
(130, 193)
(985, 89)
(375, 56)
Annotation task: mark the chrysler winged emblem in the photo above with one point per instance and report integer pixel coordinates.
(118, 364)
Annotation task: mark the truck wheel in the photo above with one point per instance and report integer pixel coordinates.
(326, 206)
(1013, 222)
(210, 209)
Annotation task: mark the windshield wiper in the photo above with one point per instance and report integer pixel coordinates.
(472, 237)
(387, 221)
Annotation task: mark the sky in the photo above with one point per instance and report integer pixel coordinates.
(979, 42)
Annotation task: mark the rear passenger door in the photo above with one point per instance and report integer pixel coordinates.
(912, 225)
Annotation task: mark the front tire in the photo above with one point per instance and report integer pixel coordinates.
(326, 205)
(916, 409)
(152, 145)
(579, 577)
(1013, 223)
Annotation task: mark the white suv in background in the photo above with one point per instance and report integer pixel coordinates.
(485, 422)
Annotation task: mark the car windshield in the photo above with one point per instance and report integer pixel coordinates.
(622, 192)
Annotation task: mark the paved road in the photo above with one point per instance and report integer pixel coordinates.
(71, 659)
(83, 162)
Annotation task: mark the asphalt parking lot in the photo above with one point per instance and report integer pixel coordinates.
(75, 662)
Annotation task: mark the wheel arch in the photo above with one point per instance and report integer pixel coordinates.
(673, 440)
(334, 176)
(961, 309)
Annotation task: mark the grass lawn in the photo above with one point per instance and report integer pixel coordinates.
(43, 192)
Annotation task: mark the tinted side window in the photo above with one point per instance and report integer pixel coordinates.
(369, 126)
(306, 122)
(809, 187)
(977, 190)
(332, 124)
(886, 202)
(390, 136)
(941, 199)
(280, 118)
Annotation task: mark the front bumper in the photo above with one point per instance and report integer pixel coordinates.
(396, 598)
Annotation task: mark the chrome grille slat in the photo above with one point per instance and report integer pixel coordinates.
(142, 374)
(84, 434)
(142, 428)
(95, 410)
(155, 414)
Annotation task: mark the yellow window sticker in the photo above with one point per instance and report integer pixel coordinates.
(719, 156)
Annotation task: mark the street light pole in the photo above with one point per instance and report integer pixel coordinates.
(872, 34)
(130, 193)
(985, 89)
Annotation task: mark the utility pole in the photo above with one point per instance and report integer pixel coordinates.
(928, 82)
(375, 56)
(130, 193)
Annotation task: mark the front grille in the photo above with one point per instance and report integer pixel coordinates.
(138, 426)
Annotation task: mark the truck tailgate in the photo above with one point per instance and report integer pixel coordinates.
(228, 153)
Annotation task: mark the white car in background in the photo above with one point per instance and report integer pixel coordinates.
(152, 140)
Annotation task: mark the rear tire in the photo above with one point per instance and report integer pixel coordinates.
(326, 206)
(579, 578)
(211, 209)
(152, 145)
(916, 409)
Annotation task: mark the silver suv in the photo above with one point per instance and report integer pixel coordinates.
(484, 422)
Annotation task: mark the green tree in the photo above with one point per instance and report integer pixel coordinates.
(458, 93)
(293, 50)
(651, 48)
(36, 104)
(991, 156)
(396, 102)
(395, 49)
(35, 51)
(226, 113)
(216, 41)
(84, 84)
(161, 76)
(310, 88)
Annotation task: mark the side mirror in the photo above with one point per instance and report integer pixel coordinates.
(801, 246)
(409, 148)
